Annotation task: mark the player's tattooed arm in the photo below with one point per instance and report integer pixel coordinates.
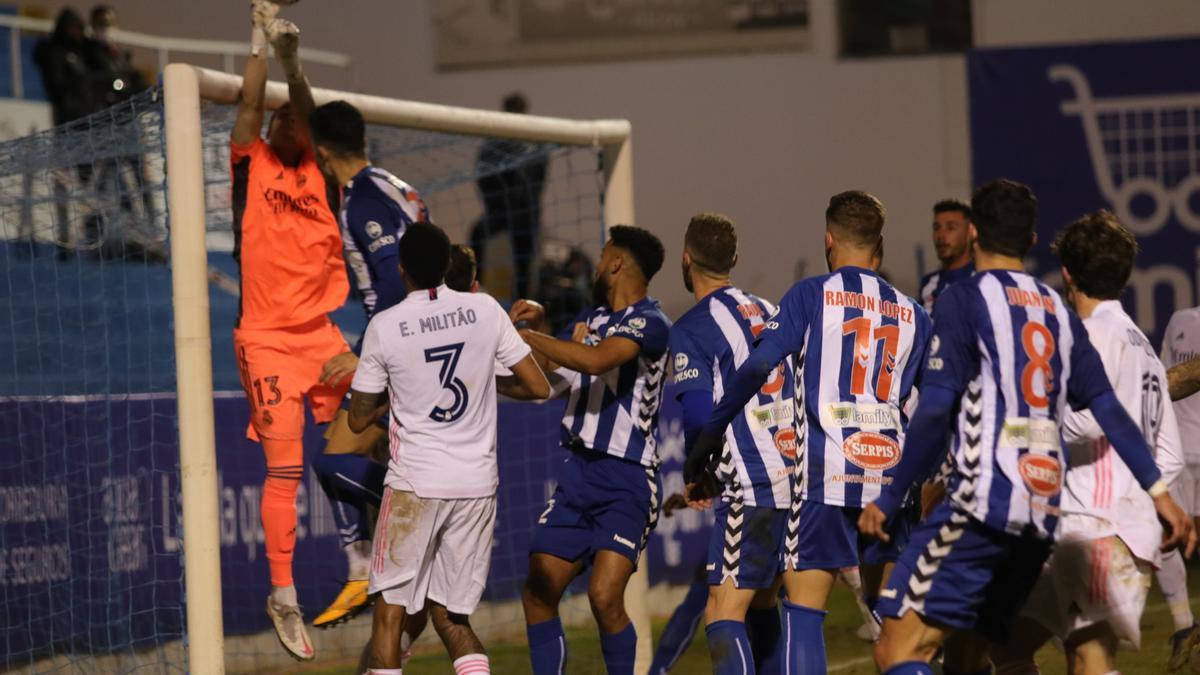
(588, 359)
(365, 408)
(1183, 380)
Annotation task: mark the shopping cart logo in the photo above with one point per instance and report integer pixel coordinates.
(1145, 151)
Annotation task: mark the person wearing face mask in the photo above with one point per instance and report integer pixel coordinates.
(607, 499)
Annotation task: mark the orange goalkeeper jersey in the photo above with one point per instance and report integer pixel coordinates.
(286, 240)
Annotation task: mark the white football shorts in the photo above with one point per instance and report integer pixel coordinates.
(1088, 581)
(436, 549)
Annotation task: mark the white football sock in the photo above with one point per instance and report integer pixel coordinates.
(472, 664)
(358, 555)
(284, 595)
(1172, 579)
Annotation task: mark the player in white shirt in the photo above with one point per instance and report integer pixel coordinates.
(1181, 343)
(1093, 588)
(433, 356)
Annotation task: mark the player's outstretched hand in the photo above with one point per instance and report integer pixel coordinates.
(529, 311)
(338, 368)
(1177, 526)
(872, 522)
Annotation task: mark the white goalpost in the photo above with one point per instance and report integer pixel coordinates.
(185, 88)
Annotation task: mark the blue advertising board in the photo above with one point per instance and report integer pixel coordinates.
(1113, 126)
(91, 533)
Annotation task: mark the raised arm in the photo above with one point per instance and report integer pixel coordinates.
(587, 359)
(248, 124)
(285, 38)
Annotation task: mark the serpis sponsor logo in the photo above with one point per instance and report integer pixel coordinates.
(1042, 474)
(785, 442)
(871, 451)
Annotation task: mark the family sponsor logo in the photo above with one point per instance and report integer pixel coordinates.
(865, 416)
(1035, 434)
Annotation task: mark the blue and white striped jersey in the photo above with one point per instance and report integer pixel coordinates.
(376, 209)
(616, 413)
(1008, 345)
(708, 344)
(934, 283)
(859, 347)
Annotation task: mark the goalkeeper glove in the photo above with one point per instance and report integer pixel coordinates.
(285, 38)
(262, 13)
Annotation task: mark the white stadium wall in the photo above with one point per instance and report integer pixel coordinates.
(764, 138)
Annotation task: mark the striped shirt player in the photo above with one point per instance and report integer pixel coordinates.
(934, 283)
(708, 344)
(1010, 357)
(601, 504)
(858, 345)
(1108, 539)
(376, 209)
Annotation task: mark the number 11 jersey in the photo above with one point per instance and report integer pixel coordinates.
(858, 346)
(435, 354)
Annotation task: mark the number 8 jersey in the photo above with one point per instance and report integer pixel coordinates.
(858, 346)
(435, 353)
(1008, 345)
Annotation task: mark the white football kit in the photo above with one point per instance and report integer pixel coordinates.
(435, 353)
(1108, 538)
(1181, 342)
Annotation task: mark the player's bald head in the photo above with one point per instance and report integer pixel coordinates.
(855, 218)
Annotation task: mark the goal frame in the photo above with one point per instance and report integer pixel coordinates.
(184, 87)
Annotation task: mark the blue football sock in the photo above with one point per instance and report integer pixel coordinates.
(351, 482)
(805, 640)
(547, 647)
(765, 632)
(620, 650)
(729, 646)
(910, 668)
(680, 628)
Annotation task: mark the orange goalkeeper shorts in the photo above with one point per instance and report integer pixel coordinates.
(280, 367)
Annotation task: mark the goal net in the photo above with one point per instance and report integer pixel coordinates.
(129, 496)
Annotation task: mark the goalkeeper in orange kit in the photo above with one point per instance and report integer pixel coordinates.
(289, 251)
